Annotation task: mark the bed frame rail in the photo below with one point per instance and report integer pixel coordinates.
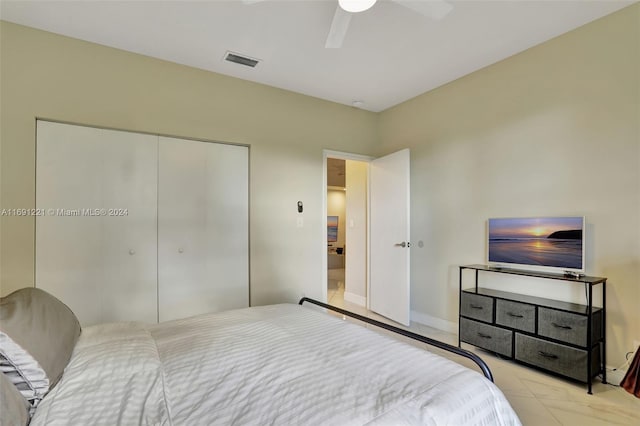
(441, 345)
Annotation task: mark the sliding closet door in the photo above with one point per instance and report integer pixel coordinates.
(96, 240)
(203, 240)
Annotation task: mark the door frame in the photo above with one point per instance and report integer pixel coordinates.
(340, 155)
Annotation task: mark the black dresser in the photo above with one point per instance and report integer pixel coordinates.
(564, 338)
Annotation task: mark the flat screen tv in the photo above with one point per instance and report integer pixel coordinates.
(332, 229)
(546, 244)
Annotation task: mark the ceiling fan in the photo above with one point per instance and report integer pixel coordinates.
(433, 9)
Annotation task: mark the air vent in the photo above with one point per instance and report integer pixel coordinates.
(236, 58)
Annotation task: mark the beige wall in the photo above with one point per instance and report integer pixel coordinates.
(50, 76)
(554, 130)
(356, 176)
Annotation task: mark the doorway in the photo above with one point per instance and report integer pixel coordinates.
(346, 207)
(376, 234)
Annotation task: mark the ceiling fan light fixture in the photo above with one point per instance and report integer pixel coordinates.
(355, 6)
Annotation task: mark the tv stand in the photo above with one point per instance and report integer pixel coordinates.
(564, 338)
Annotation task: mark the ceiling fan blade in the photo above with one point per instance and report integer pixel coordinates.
(434, 9)
(338, 30)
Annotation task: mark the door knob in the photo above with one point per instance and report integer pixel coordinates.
(402, 244)
(132, 252)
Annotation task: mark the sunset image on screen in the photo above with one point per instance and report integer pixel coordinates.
(545, 241)
(332, 229)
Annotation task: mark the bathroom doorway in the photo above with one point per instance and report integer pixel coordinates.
(347, 229)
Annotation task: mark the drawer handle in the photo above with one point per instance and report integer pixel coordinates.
(475, 306)
(565, 327)
(511, 314)
(547, 355)
(484, 336)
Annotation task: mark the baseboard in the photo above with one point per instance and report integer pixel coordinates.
(438, 323)
(355, 299)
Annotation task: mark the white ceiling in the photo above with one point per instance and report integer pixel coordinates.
(390, 53)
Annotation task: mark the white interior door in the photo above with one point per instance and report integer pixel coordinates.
(389, 291)
(96, 236)
(203, 217)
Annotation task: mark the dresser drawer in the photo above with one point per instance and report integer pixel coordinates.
(476, 306)
(555, 357)
(516, 315)
(564, 326)
(486, 336)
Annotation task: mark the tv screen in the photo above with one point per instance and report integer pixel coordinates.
(554, 244)
(332, 229)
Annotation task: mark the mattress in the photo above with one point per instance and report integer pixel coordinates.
(272, 365)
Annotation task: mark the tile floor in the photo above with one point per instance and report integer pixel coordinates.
(538, 398)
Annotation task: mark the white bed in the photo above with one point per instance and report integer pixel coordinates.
(272, 365)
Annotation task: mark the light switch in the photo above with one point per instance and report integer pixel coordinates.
(300, 222)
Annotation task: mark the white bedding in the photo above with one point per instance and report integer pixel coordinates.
(271, 365)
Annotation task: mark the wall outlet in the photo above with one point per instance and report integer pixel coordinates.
(615, 377)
